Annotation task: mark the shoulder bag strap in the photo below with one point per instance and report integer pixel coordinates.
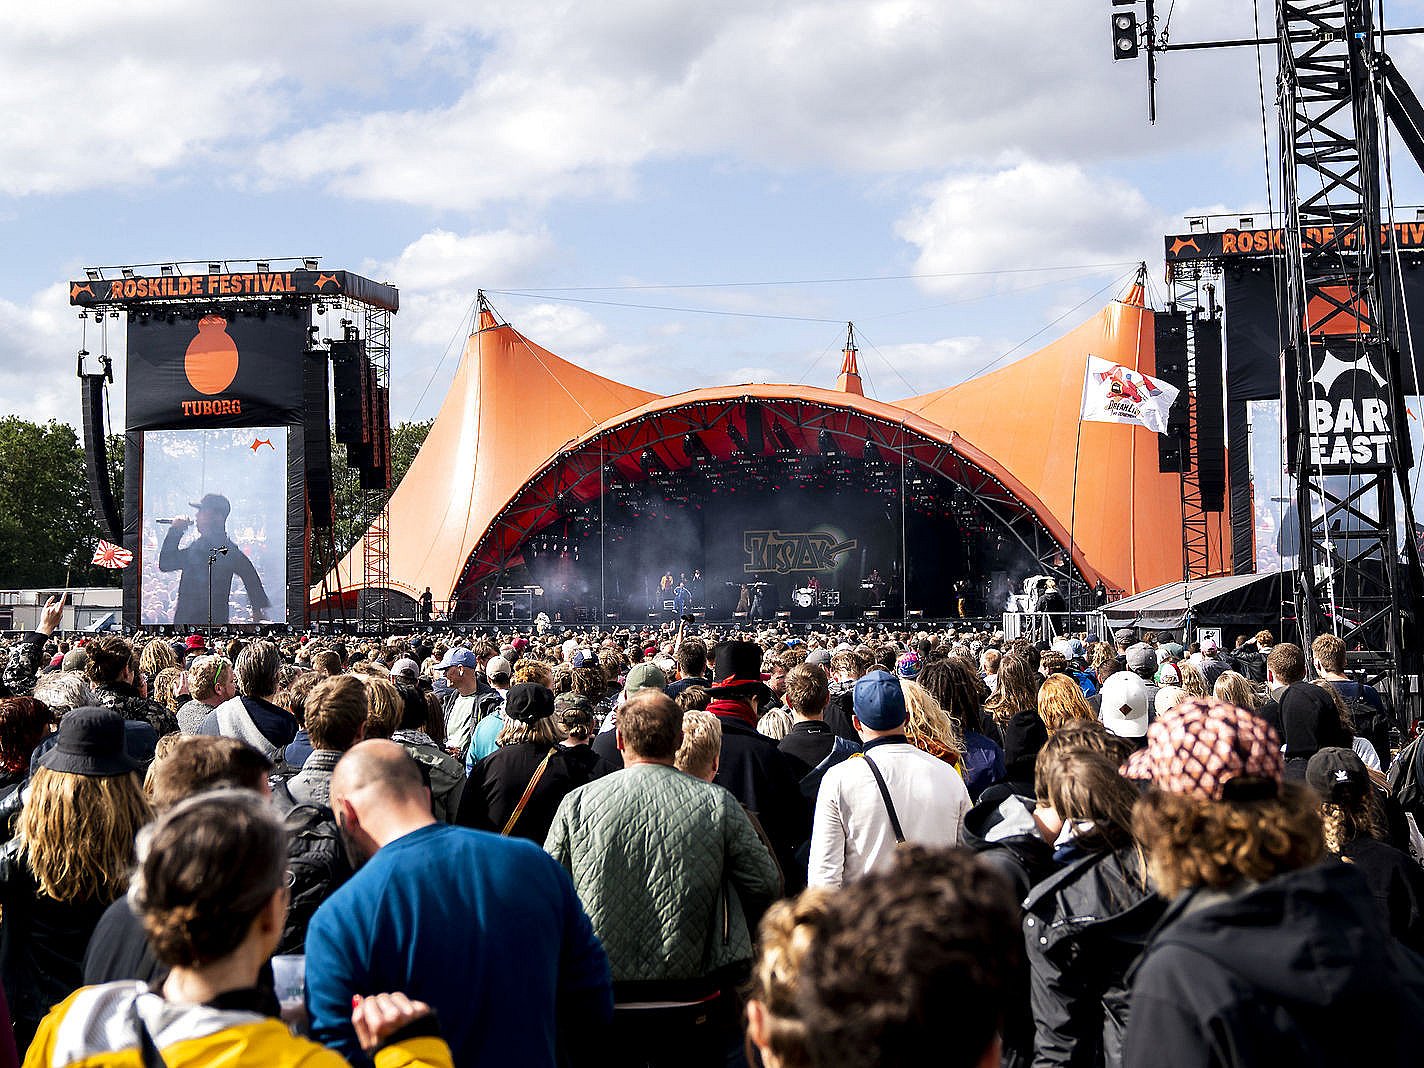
(528, 791)
(885, 795)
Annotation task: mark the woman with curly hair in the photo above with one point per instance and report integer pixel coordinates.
(1061, 701)
(929, 726)
(955, 684)
(68, 862)
(1264, 956)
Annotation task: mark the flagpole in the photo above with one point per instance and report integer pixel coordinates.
(1073, 513)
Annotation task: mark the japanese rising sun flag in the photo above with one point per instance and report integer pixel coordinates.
(1116, 394)
(112, 556)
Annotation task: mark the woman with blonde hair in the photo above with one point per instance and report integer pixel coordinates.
(1061, 701)
(1235, 689)
(156, 656)
(1193, 681)
(929, 727)
(68, 862)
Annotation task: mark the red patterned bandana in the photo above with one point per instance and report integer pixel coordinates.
(1203, 744)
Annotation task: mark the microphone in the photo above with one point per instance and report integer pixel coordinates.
(165, 522)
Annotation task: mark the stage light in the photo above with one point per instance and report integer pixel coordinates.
(783, 439)
(1124, 30)
(739, 439)
(166, 269)
(1197, 225)
(96, 275)
(127, 272)
(872, 454)
(826, 441)
(215, 268)
(1247, 222)
(263, 266)
(694, 447)
(311, 263)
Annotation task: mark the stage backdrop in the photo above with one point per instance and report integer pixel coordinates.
(214, 413)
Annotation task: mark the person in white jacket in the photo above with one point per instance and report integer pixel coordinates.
(891, 792)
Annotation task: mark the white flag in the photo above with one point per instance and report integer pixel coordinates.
(1116, 394)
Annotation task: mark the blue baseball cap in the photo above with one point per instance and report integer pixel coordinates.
(458, 657)
(878, 701)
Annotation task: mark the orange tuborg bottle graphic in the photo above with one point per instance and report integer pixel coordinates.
(211, 360)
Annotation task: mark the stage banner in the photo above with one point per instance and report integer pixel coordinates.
(1116, 394)
(1253, 334)
(214, 371)
(214, 527)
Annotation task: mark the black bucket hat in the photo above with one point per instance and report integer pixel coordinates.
(91, 742)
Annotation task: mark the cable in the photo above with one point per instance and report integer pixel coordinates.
(469, 310)
(659, 307)
(908, 384)
(816, 281)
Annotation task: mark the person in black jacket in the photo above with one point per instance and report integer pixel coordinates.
(1264, 956)
(1355, 831)
(1085, 925)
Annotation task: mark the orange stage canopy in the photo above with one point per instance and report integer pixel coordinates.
(514, 407)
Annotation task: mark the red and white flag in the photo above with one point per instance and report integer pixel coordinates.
(1116, 394)
(112, 556)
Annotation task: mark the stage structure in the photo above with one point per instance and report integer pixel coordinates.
(228, 500)
(545, 487)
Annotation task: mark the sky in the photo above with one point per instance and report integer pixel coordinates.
(672, 194)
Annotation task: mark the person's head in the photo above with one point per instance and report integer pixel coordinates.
(1218, 809)
(1123, 704)
(529, 716)
(1018, 687)
(24, 722)
(693, 698)
(378, 794)
(1060, 701)
(927, 725)
(575, 717)
(335, 711)
(110, 660)
(211, 518)
(650, 727)
(808, 691)
(211, 681)
(1052, 662)
(701, 747)
(1263, 640)
(989, 661)
(85, 806)
(1349, 808)
(644, 676)
(879, 705)
(1193, 682)
(774, 1022)
(1329, 653)
(195, 763)
(955, 684)
(1285, 664)
(384, 707)
(461, 669)
(156, 656)
(211, 879)
(904, 957)
(62, 691)
(1084, 789)
(258, 669)
(1235, 689)
(499, 672)
(845, 666)
(326, 663)
(1141, 658)
(692, 659)
(531, 670)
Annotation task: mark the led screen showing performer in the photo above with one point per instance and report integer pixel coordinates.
(214, 527)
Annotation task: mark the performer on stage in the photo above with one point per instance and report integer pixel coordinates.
(875, 588)
(681, 598)
(209, 563)
(427, 605)
(697, 588)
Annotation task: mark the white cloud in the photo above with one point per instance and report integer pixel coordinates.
(1033, 213)
(39, 337)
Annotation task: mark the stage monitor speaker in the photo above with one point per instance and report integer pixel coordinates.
(1173, 453)
(348, 359)
(316, 437)
(1211, 416)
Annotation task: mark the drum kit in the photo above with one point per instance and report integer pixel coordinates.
(810, 597)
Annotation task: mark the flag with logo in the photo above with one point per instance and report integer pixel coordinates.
(1116, 394)
(112, 556)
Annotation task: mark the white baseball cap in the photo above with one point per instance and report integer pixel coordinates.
(1124, 704)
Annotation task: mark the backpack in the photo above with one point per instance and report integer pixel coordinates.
(317, 860)
(1368, 720)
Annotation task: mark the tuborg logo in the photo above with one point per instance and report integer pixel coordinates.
(211, 360)
(771, 550)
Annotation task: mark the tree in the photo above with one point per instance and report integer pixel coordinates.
(47, 524)
(350, 499)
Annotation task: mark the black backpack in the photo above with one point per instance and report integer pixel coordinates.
(317, 860)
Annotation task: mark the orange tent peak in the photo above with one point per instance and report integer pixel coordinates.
(1136, 296)
(849, 379)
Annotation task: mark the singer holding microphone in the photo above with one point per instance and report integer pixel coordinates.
(208, 564)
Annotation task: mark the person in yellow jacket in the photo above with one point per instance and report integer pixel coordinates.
(211, 889)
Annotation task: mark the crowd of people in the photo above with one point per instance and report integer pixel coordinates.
(696, 846)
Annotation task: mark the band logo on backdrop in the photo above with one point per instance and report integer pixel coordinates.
(773, 550)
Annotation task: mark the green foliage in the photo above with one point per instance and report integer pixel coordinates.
(47, 525)
(352, 515)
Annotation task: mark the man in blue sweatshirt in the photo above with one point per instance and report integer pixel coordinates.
(487, 930)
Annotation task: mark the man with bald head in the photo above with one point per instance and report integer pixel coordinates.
(487, 930)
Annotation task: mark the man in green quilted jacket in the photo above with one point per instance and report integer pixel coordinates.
(667, 867)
